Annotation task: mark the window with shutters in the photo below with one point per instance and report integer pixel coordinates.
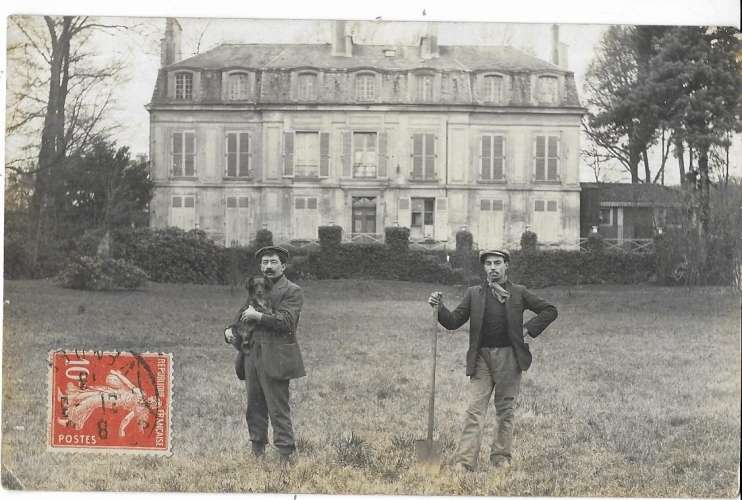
(493, 88)
(546, 220)
(238, 86)
(306, 217)
(183, 86)
(546, 158)
(489, 205)
(306, 154)
(423, 157)
(547, 90)
(307, 86)
(425, 88)
(365, 87)
(237, 220)
(492, 158)
(238, 155)
(183, 154)
(183, 212)
(423, 217)
(365, 158)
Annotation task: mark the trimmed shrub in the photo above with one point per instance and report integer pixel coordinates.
(529, 241)
(92, 273)
(397, 238)
(263, 238)
(330, 237)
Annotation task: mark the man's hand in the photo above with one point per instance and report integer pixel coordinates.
(526, 335)
(251, 314)
(229, 336)
(435, 299)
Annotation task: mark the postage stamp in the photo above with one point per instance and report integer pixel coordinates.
(110, 402)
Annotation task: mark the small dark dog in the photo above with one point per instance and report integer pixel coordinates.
(259, 297)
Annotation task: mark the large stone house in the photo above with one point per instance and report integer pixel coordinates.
(431, 137)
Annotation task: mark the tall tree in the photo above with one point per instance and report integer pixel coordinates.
(697, 82)
(56, 89)
(622, 117)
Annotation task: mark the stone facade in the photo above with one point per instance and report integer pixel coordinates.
(290, 137)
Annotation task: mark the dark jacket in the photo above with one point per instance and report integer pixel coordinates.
(472, 308)
(274, 336)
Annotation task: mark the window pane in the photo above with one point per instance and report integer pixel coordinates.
(551, 206)
(177, 202)
(190, 142)
(429, 167)
(540, 146)
(417, 204)
(486, 145)
(178, 165)
(429, 144)
(497, 168)
(539, 205)
(188, 202)
(231, 143)
(190, 169)
(484, 205)
(540, 169)
(417, 144)
(497, 205)
(244, 165)
(429, 204)
(231, 165)
(428, 218)
(243, 201)
(497, 145)
(312, 203)
(300, 203)
(552, 174)
(231, 202)
(553, 141)
(244, 142)
(177, 143)
(417, 219)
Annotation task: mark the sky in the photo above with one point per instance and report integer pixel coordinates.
(138, 47)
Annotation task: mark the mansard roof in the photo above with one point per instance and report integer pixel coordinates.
(406, 58)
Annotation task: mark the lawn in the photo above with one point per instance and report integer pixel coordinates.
(634, 391)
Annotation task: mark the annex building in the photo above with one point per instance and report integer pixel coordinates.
(431, 137)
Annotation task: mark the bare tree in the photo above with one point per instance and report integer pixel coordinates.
(62, 89)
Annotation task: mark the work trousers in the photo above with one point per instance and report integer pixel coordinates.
(267, 399)
(498, 370)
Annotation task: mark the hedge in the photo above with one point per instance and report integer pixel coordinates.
(93, 273)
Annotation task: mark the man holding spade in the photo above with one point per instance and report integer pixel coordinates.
(498, 353)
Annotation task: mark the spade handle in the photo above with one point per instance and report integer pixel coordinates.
(431, 404)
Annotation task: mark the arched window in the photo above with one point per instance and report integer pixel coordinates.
(184, 86)
(366, 87)
(238, 86)
(493, 88)
(547, 89)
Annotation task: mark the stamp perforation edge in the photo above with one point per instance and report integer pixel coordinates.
(116, 450)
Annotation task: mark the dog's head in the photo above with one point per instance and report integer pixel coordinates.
(259, 287)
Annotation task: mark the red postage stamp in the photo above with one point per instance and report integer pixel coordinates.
(110, 401)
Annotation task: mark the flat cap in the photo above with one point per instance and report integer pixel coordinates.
(283, 254)
(499, 253)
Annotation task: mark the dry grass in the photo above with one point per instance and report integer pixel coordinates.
(634, 391)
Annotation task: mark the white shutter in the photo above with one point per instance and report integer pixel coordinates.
(441, 219)
(404, 212)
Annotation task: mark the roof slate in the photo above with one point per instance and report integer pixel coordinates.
(451, 58)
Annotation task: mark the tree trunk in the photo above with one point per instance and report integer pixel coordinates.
(704, 184)
(647, 173)
(680, 155)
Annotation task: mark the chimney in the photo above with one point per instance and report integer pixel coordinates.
(342, 41)
(429, 42)
(563, 56)
(555, 44)
(170, 45)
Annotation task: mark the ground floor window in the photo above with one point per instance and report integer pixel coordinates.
(364, 215)
(183, 212)
(423, 218)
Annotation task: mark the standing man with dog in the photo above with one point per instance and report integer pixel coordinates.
(272, 359)
(498, 353)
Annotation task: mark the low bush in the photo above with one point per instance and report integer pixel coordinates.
(92, 273)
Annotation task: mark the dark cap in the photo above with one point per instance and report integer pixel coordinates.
(282, 253)
(499, 253)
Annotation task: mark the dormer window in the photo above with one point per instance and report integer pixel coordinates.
(238, 86)
(184, 86)
(307, 86)
(424, 87)
(546, 90)
(493, 85)
(366, 87)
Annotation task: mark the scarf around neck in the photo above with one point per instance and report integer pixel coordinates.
(498, 291)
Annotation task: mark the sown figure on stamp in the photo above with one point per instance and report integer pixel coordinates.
(269, 355)
(498, 353)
